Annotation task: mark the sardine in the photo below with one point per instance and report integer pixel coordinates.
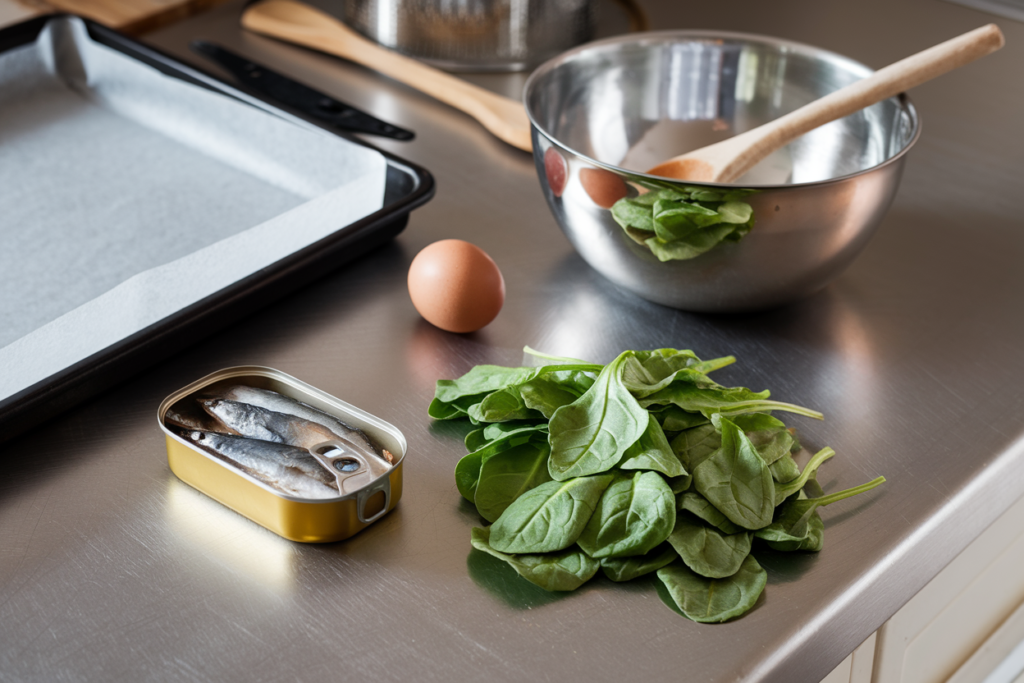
(188, 414)
(269, 425)
(287, 468)
(255, 422)
(271, 400)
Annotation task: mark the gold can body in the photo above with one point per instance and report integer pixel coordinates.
(297, 519)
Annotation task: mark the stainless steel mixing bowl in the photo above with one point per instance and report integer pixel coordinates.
(475, 35)
(604, 112)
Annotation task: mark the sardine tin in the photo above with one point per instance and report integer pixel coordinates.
(297, 519)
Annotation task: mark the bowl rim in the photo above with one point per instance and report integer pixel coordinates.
(711, 35)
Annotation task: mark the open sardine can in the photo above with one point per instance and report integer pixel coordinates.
(338, 470)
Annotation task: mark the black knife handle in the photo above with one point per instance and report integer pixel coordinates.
(300, 97)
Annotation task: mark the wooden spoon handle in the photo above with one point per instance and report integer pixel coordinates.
(882, 84)
(298, 23)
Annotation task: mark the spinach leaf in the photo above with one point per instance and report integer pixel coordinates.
(631, 465)
(467, 475)
(768, 434)
(690, 244)
(549, 517)
(639, 236)
(699, 194)
(507, 475)
(736, 481)
(439, 410)
(680, 484)
(706, 366)
(694, 446)
(511, 434)
(652, 452)
(642, 381)
(684, 224)
(690, 393)
(787, 489)
(650, 371)
(535, 398)
(675, 419)
(503, 405)
(636, 378)
(495, 438)
(758, 406)
(693, 502)
(635, 514)
(736, 212)
(698, 393)
(480, 381)
(475, 440)
(635, 213)
(797, 530)
(785, 469)
(575, 381)
(797, 525)
(550, 392)
(453, 398)
(706, 550)
(591, 434)
(663, 362)
(519, 431)
(714, 600)
(628, 568)
(674, 220)
(562, 571)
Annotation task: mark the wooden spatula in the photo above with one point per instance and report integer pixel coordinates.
(727, 160)
(298, 23)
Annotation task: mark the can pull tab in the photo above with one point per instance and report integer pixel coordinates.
(373, 501)
(344, 461)
(340, 459)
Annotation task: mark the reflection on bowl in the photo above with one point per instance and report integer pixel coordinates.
(604, 112)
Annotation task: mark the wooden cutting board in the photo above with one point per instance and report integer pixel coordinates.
(134, 17)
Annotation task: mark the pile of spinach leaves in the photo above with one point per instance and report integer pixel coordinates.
(682, 223)
(642, 465)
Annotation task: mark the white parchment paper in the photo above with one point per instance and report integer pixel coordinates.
(126, 195)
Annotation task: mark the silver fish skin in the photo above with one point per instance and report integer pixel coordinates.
(289, 469)
(259, 423)
(268, 425)
(189, 415)
(271, 400)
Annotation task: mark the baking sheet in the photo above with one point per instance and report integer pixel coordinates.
(127, 195)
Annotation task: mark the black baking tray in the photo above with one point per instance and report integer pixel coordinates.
(407, 186)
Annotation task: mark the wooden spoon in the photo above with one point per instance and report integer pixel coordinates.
(727, 160)
(298, 23)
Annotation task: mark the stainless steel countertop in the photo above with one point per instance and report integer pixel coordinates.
(111, 569)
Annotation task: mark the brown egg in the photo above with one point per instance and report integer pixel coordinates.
(456, 286)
